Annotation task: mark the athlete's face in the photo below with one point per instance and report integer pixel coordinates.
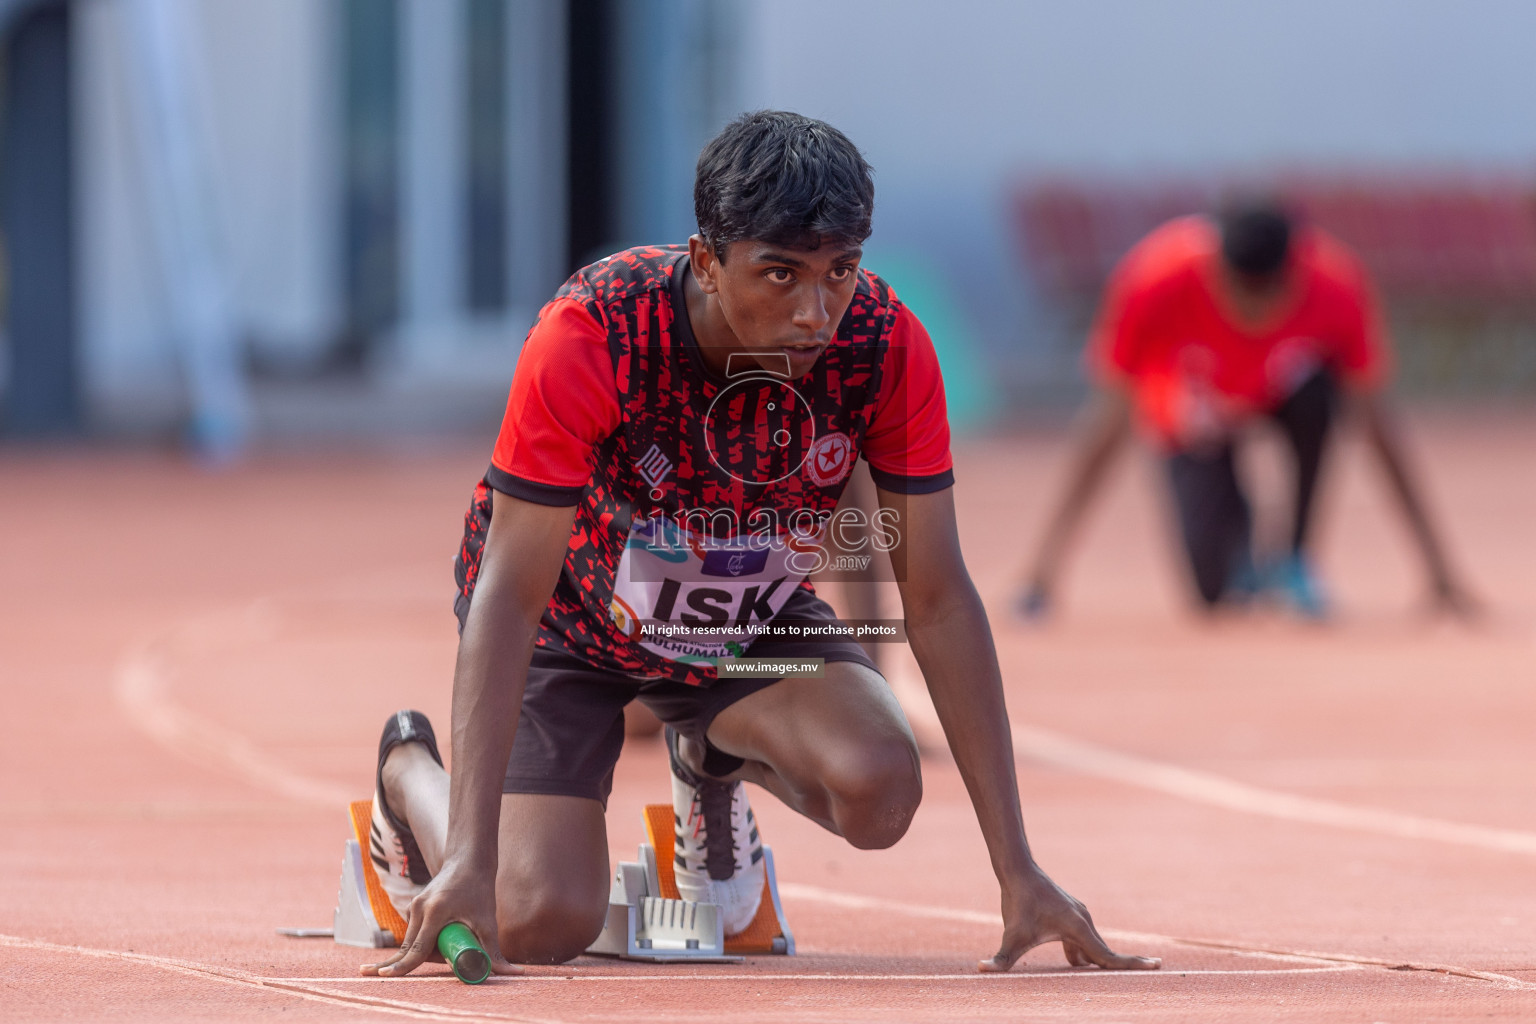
(771, 302)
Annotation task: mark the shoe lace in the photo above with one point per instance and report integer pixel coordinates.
(714, 807)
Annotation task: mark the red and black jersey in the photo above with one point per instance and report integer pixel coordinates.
(700, 497)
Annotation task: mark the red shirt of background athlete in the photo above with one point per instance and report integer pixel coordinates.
(1166, 334)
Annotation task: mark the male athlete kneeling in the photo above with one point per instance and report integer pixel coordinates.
(681, 423)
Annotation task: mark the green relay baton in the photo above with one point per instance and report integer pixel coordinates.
(470, 962)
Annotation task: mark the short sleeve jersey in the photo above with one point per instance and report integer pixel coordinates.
(701, 498)
(1165, 332)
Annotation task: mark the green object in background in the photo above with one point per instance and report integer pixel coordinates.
(471, 964)
(969, 393)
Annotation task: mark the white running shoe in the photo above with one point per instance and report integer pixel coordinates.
(391, 846)
(718, 857)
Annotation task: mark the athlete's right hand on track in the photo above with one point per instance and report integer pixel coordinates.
(1039, 911)
(1033, 603)
(453, 895)
(1448, 597)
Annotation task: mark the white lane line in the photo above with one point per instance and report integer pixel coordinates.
(813, 893)
(1078, 972)
(299, 988)
(1204, 787)
(142, 692)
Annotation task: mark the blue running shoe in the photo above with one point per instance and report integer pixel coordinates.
(1244, 581)
(1298, 586)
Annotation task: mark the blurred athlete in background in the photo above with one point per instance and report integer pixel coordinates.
(1208, 325)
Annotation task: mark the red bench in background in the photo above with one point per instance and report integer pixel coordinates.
(1438, 239)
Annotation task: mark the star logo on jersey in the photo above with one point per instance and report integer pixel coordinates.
(830, 459)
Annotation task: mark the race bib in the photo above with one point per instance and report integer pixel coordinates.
(692, 599)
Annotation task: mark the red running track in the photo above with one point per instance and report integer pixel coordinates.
(1329, 824)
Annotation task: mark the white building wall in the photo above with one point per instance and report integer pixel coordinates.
(127, 352)
(952, 102)
(264, 83)
(275, 91)
(974, 89)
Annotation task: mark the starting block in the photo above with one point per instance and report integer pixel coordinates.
(364, 916)
(648, 921)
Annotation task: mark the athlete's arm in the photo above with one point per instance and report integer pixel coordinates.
(525, 547)
(1106, 424)
(1446, 592)
(948, 630)
(1132, 314)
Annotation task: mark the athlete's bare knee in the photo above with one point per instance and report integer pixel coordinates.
(875, 793)
(549, 928)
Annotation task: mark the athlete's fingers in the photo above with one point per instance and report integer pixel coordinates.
(499, 963)
(412, 955)
(1453, 600)
(1001, 963)
(1085, 937)
(420, 940)
(383, 967)
(1034, 604)
(1074, 953)
(412, 925)
(372, 970)
(1008, 954)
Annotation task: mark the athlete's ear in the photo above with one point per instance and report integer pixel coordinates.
(706, 267)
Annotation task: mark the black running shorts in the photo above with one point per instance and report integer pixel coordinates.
(572, 724)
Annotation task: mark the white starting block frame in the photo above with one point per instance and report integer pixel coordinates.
(354, 923)
(644, 925)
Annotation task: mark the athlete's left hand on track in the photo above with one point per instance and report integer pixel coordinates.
(1450, 598)
(1039, 912)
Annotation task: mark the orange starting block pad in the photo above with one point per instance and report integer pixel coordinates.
(364, 916)
(648, 921)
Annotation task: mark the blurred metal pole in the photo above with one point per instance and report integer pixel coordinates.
(536, 151)
(592, 88)
(432, 123)
(660, 131)
(42, 387)
(656, 147)
(174, 151)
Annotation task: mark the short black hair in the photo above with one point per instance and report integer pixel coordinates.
(782, 178)
(1255, 236)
